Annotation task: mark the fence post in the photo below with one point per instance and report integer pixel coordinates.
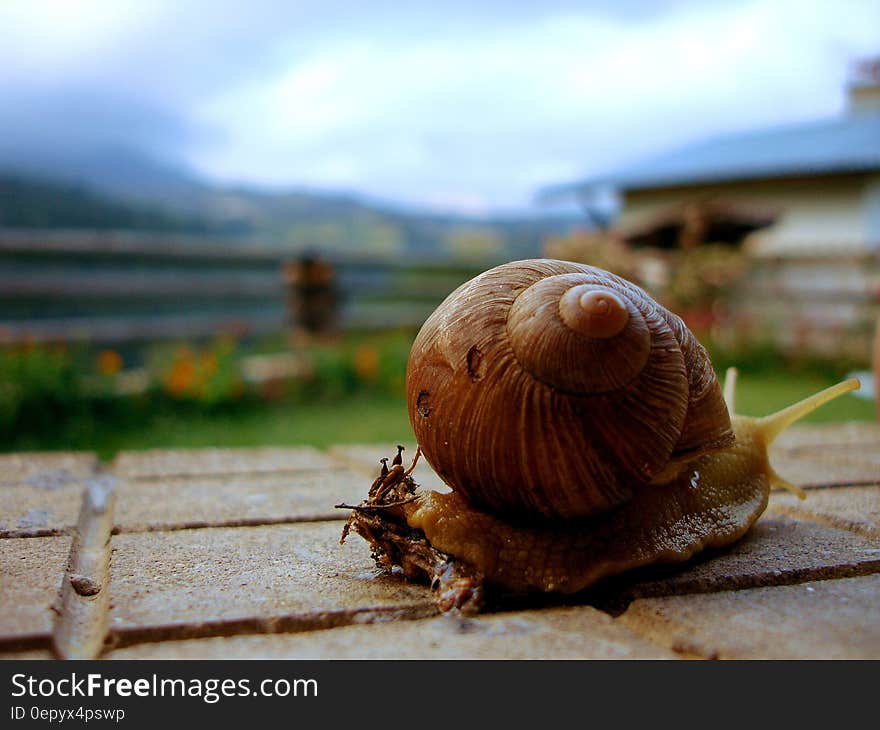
(311, 297)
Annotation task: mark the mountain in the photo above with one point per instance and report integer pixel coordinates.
(36, 203)
(124, 188)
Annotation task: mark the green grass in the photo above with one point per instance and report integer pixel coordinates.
(759, 395)
(365, 418)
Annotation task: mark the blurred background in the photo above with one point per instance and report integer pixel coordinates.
(222, 223)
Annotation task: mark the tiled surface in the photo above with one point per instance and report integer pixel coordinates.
(829, 619)
(777, 550)
(44, 467)
(175, 503)
(553, 633)
(848, 508)
(31, 571)
(296, 573)
(198, 462)
(811, 468)
(851, 436)
(41, 492)
(223, 553)
(31, 510)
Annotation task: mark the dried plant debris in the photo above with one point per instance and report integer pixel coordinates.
(380, 519)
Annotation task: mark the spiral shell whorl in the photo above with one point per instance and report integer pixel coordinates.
(523, 414)
(588, 355)
(593, 311)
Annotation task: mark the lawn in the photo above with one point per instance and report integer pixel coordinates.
(367, 417)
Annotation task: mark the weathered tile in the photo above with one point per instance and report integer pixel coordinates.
(814, 467)
(776, 551)
(44, 504)
(849, 508)
(45, 466)
(28, 654)
(364, 458)
(202, 581)
(196, 462)
(40, 492)
(29, 511)
(556, 633)
(173, 503)
(31, 571)
(828, 619)
(825, 435)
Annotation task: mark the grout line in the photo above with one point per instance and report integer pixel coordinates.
(121, 638)
(829, 520)
(835, 485)
(36, 532)
(757, 580)
(244, 522)
(83, 615)
(28, 642)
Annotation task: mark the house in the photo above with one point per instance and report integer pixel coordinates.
(802, 200)
(806, 189)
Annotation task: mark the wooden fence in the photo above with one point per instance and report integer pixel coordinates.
(817, 305)
(74, 286)
(113, 288)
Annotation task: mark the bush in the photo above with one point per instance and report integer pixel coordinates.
(37, 385)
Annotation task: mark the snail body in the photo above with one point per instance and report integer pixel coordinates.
(582, 431)
(711, 504)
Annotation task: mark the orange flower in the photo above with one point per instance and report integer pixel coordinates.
(366, 363)
(109, 362)
(181, 377)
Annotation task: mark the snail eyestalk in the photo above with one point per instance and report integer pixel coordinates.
(771, 426)
(782, 483)
(594, 312)
(730, 377)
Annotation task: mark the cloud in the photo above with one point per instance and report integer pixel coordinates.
(493, 113)
(479, 103)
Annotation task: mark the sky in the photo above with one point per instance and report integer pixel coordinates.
(458, 105)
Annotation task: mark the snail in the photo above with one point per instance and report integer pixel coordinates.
(582, 431)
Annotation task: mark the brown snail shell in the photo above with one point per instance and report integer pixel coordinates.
(554, 389)
(546, 389)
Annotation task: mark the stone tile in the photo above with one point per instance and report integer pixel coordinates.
(28, 655)
(849, 508)
(776, 551)
(829, 619)
(48, 466)
(198, 462)
(32, 511)
(40, 492)
(365, 459)
(851, 434)
(208, 581)
(44, 504)
(173, 503)
(31, 571)
(815, 467)
(556, 633)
